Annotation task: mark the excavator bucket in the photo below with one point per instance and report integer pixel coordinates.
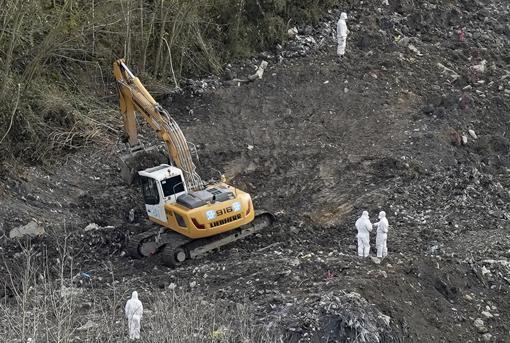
(140, 158)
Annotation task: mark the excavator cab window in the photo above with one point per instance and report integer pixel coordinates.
(172, 185)
(150, 191)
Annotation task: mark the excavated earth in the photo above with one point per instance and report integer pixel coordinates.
(317, 141)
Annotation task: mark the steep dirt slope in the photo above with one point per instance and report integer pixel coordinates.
(316, 141)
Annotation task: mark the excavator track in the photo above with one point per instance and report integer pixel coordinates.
(175, 248)
(136, 242)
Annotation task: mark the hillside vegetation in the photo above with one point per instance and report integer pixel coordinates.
(56, 56)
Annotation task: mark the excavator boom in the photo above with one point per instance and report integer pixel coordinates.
(134, 97)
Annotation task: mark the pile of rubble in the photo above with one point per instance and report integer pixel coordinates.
(334, 316)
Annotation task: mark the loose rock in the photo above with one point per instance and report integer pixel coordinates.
(472, 134)
(91, 227)
(480, 326)
(487, 314)
(32, 229)
(292, 32)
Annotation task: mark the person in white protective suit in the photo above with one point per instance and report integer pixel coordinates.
(382, 235)
(341, 34)
(364, 227)
(134, 312)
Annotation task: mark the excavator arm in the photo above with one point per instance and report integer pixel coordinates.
(134, 98)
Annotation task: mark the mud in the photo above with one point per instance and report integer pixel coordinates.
(316, 141)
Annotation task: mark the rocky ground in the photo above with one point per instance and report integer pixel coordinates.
(414, 120)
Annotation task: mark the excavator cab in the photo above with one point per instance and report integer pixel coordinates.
(161, 185)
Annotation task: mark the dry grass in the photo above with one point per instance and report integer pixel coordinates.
(48, 303)
(182, 317)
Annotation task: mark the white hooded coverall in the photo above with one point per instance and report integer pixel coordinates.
(134, 311)
(382, 235)
(364, 228)
(341, 34)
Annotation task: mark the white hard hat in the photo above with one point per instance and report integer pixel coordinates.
(343, 15)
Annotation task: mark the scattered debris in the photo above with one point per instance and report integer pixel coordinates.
(464, 140)
(487, 337)
(414, 49)
(67, 292)
(32, 229)
(472, 134)
(260, 71)
(89, 325)
(387, 319)
(461, 34)
(487, 314)
(292, 33)
(83, 276)
(378, 274)
(348, 316)
(445, 70)
(91, 227)
(480, 68)
(220, 333)
(480, 326)
(504, 263)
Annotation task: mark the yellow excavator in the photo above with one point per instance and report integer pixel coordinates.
(194, 217)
